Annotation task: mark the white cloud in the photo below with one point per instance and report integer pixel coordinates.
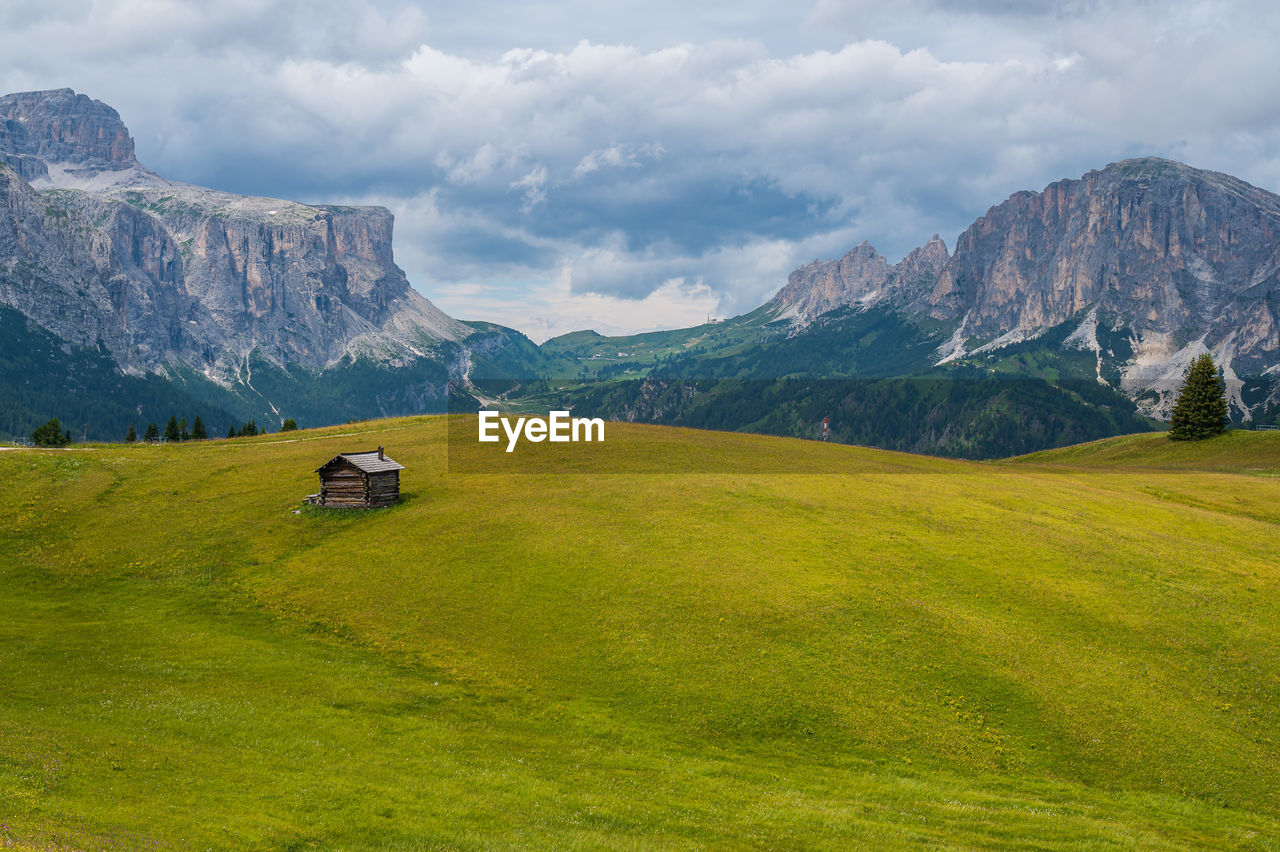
(616, 156)
(551, 307)
(534, 185)
(614, 151)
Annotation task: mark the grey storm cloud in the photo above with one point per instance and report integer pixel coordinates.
(623, 150)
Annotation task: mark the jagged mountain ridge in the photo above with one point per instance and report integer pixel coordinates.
(1177, 260)
(862, 277)
(100, 250)
(1143, 265)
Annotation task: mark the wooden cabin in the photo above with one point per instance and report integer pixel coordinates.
(367, 480)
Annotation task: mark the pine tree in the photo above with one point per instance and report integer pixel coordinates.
(132, 437)
(198, 432)
(183, 430)
(1201, 408)
(231, 431)
(51, 434)
(289, 425)
(152, 433)
(172, 433)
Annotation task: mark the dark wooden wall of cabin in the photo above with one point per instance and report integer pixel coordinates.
(348, 487)
(383, 489)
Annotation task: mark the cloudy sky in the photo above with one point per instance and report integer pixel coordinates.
(629, 166)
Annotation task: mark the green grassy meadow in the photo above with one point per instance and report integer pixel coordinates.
(856, 648)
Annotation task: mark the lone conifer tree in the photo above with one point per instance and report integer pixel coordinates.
(198, 432)
(1201, 408)
(132, 437)
(51, 434)
(172, 432)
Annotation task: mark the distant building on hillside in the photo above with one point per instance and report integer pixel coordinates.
(368, 480)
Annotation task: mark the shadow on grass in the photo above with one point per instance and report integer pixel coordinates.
(333, 515)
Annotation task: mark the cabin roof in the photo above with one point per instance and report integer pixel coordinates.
(366, 461)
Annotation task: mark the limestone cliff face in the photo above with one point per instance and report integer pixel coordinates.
(100, 250)
(305, 284)
(97, 272)
(1181, 260)
(59, 126)
(1173, 251)
(917, 273)
(857, 278)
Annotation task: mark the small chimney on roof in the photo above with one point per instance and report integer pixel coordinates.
(380, 456)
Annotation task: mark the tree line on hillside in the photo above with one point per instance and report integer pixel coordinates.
(52, 433)
(964, 416)
(964, 412)
(974, 417)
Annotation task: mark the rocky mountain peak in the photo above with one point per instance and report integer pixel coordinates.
(58, 126)
(862, 277)
(1183, 259)
(823, 285)
(1153, 168)
(928, 259)
(915, 275)
(1172, 246)
(164, 272)
(1176, 260)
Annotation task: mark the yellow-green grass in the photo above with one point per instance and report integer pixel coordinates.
(1236, 451)
(890, 651)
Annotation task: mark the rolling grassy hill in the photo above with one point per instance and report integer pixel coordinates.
(1237, 451)
(853, 648)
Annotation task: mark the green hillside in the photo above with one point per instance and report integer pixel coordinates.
(855, 649)
(974, 417)
(871, 373)
(1236, 451)
(589, 355)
